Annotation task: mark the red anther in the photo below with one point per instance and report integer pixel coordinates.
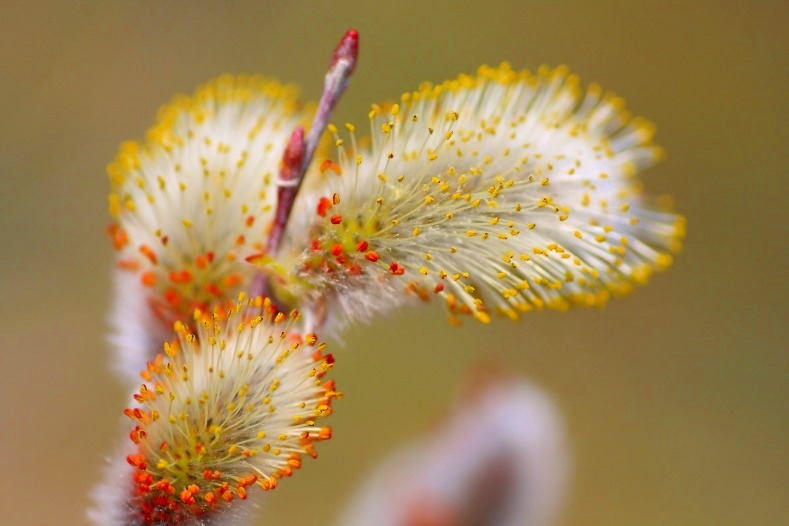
(172, 297)
(137, 434)
(323, 206)
(396, 269)
(336, 219)
(354, 269)
(164, 485)
(371, 256)
(212, 288)
(250, 220)
(254, 257)
(316, 245)
(163, 446)
(137, 461)
(361, 246)
(329, 358)
(165, 240)
(336, 250)
(347, 49)
(209, 256)
(438, 288)
(143, 477)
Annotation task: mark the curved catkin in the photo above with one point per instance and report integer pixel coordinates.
(200, 186)
(228, 408)
(501, 192)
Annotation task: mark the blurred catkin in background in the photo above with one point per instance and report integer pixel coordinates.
(674, 397)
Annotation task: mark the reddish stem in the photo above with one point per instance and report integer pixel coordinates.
(300, 149)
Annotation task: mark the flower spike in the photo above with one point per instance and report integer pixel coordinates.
(199, 187)
(227, 409)
(502, 192)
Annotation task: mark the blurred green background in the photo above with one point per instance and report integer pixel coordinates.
(675, 397)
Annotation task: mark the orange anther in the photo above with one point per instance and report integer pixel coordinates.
(328, 164)
(371, 256)
(361, 246)
(128, 264)
(324, 433)
(251, 479)
(149, 253)
(396, 269)
(118, 236)
(201, 262)
(184, 276)
(232, 280)
(187, 497)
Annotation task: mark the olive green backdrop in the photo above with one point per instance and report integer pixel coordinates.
(675, 397)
